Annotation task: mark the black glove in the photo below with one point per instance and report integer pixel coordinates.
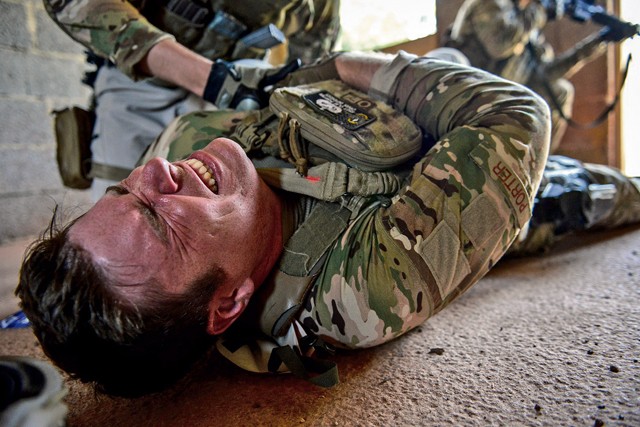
(244, 84)
(618, 33)
(554, 8)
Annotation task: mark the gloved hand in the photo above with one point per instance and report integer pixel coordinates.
(554, 9)
(243, 84)
(618, 33)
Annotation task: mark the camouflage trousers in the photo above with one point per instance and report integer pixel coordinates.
(575, 196)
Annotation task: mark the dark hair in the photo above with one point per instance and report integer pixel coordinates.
(95, 334)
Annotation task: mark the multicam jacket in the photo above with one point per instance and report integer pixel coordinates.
(124, 31)
(458, 211)
(500, 37)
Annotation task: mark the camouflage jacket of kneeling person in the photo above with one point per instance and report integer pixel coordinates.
(500, 37)
(461, 204)
(124, 31)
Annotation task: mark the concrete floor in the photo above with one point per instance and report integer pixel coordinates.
(546, 341)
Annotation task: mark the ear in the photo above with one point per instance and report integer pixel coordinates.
(226, 306)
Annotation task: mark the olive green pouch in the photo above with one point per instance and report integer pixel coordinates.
(358, 130)
(73, 127)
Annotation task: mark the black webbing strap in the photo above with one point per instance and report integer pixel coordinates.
(114, 173)
(323, 373)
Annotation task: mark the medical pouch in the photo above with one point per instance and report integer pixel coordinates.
(358, 130)
(73, 127)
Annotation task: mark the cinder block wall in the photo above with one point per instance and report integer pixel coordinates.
(40, 70)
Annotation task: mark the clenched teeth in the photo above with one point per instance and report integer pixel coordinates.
(204, 172)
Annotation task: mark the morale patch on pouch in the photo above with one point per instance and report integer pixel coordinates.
(339, 111)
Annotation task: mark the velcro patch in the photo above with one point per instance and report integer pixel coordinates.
(338, 110)
(441, 252)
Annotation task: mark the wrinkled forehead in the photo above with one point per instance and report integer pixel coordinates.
(120, 241)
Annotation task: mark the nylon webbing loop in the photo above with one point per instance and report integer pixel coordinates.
(252, 132)
(114, 173)
(293, 148)
(323, 373)
(603, 116)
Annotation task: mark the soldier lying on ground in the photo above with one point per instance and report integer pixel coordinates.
(260, 244)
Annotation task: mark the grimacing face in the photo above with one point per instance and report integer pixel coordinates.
(169, 222)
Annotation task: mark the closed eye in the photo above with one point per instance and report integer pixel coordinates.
(154, 220)
(118, 189)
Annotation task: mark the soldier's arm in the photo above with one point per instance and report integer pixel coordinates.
(572, 60)
(116, 30)
(112, 29)
(461, 207)
(478, 122)
(453, 105)
(172, 62)
(442, 97)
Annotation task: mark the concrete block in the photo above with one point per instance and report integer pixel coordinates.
(13, 26)
(23, 74)
(12, 73)
(38, 72)
(29, 170)
(24, 215)
(25, 123)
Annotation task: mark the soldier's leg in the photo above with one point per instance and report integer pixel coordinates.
(624, 205)
(577, 196)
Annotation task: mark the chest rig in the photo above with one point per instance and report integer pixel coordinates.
(341, 148)
(228, 29)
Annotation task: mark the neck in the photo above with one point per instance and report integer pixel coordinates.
(270, 239)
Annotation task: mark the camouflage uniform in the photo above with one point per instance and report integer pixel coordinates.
(132, 110)
(459, 209)
(125, 31)
(576, 196)
(497, 36)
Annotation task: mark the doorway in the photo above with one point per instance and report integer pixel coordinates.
(630, 102)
